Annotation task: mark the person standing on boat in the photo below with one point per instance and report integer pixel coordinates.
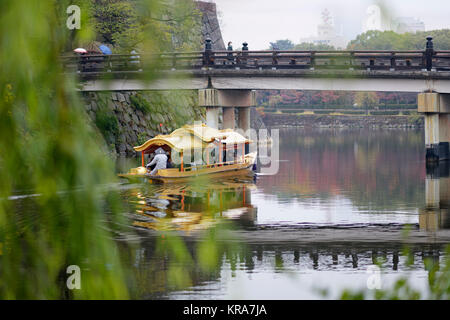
(160, 160)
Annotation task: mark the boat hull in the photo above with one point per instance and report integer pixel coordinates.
(213, 171)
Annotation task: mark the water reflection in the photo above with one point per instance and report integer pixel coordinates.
(326, 178)
(339, 204)
(332, 177)
(436, 213)
(253, 266)
(192, 206)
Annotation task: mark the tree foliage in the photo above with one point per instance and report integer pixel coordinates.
(53, 153)
(282, 45)
(389, 40)
(52, 157)
(366, 100)
(113, 18)
(171, 25)
(313, 46)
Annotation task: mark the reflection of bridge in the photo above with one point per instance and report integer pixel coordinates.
(226, 79)
(152, 262)
(436, 213)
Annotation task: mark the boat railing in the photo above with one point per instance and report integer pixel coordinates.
(214, 165)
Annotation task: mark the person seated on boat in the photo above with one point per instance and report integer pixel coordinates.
(160, 161)
(148, 166)
(170, 164)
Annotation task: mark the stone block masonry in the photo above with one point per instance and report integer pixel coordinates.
(129, 118)
(274, 120)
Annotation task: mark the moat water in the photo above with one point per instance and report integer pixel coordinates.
(339, 204)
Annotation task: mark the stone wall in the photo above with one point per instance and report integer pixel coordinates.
(210, 24)
(328, 121)
(127, 119)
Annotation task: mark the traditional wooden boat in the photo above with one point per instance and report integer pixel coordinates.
(197, 150)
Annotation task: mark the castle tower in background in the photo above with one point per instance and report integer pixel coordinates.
(326, 28)
(326, 33)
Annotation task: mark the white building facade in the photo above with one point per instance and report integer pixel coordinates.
(326, 34)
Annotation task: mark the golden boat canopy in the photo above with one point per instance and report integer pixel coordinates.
(192, 137)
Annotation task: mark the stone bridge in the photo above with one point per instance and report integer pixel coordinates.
(227, 79)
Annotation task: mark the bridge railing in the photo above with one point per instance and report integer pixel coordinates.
(123, 64)
(427, 59)
(373, 60)
(131, 63)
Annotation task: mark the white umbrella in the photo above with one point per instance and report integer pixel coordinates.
(80, 50)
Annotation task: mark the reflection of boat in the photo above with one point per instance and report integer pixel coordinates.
(192, 207)
(197, 150)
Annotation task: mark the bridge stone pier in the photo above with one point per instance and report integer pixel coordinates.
(436, 109)
(227, 100)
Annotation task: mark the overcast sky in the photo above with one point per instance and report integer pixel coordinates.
(261, 21)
